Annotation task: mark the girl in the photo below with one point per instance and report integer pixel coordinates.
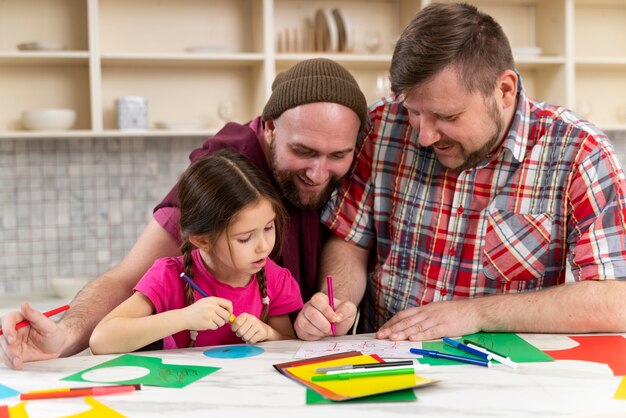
(231, 214)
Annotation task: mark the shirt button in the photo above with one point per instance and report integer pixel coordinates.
(453, 252)
(444, 291)
(460, 211)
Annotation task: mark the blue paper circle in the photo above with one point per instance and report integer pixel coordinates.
(234, 351)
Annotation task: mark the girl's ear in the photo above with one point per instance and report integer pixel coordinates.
(199, 241)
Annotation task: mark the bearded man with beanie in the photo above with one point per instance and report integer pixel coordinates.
(304, 141)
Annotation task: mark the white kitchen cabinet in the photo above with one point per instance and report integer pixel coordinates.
(193, 58)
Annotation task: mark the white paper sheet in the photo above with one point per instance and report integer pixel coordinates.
(384, 348)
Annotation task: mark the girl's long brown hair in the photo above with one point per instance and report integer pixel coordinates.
(210, 193)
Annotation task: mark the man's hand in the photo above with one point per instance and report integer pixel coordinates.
(314, 319)
(433, 321)
(42, 339)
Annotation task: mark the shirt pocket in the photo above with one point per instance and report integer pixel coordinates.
(516, 249)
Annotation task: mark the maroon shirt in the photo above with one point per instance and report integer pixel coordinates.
(302, 240)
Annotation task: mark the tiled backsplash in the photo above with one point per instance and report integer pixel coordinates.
(74, 207)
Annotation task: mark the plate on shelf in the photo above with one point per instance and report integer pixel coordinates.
(326, 37)
(41, 46)
(182, 125)
(527, 51)
(344, 31)
(207, 49)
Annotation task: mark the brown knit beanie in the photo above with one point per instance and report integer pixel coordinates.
(312, 81)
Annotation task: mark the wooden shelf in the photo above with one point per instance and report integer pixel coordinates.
(44, 58)
(601, 63)
(182, 59)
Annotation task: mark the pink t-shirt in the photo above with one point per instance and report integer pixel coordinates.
(165, 289)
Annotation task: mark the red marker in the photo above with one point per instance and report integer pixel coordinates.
(53, 312)
(75, 392)
(331, 300)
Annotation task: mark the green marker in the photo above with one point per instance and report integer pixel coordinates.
(346, 376)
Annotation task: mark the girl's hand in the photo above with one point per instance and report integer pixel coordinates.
(250, 328)
(208, 313)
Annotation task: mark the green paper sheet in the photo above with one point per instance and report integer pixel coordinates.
(507, 344)
(405, 395)
(165, 375)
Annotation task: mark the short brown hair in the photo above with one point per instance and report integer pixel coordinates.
(443, 35)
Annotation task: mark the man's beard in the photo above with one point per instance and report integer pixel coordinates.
(287, 182)
(472, 159)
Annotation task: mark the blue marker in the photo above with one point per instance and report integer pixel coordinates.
(467, 349)
(437, 354)
(194, 285)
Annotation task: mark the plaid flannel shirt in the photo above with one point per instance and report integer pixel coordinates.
(552, 194)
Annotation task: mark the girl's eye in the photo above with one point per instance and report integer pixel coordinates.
(243, 240)
(269, 228)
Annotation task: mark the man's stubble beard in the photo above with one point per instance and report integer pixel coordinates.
(287, 182)
(474, 158)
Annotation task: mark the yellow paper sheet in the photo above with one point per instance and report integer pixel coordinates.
(362, 386)
(621, 390)
(98, 410)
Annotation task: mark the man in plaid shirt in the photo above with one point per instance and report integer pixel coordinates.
(468, 200)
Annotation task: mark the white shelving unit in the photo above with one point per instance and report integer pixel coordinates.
(118, 47)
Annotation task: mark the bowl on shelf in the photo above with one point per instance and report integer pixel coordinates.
(41, 46)
(48, 119)
(67, 287)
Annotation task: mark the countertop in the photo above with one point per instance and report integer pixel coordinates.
(40, 301)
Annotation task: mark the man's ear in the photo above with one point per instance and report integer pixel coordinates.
(507, 88)
(268, 131)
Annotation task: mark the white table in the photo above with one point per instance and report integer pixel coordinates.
(251, 387)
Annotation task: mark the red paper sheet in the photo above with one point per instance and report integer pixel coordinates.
(606, 349)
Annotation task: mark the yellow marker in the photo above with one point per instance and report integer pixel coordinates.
(231, 319)
(49, 390)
